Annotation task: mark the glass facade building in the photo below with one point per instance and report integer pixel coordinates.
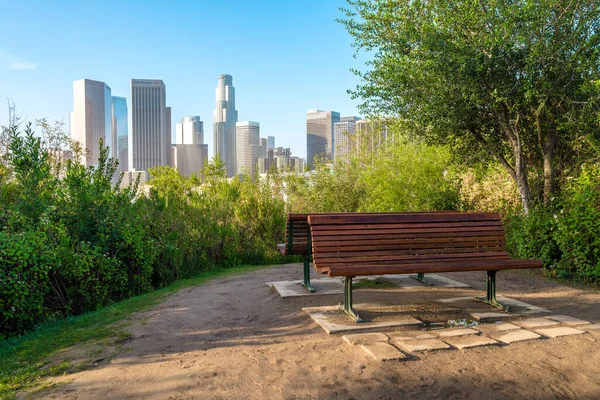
(189, 131)
(320, 135)
(120, 131)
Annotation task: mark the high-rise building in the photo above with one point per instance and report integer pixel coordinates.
(270, 142)
(224, 129)
(189, 158)
(319, 134)
(92, 118)
(263, 143)
(120, 131)
(248, 148)
(189, 131)
(342, 132)
(150, 136)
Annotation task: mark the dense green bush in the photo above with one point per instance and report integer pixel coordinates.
(565, 235)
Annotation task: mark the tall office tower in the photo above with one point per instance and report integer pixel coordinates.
(263, 143)
(189, 131)
(119, 131)
(150, 139)
(270, 142)
(343, 132)
(248, 148)
(92, 118)
(319, 134)
(189, 158)
(224, 118)
(169, 138)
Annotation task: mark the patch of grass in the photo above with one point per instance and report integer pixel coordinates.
(377, 283)
(22, 358)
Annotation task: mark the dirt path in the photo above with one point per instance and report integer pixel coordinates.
(236, 338)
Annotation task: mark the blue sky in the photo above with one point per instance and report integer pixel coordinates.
(285, 57)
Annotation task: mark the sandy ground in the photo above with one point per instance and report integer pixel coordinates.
(234, 338)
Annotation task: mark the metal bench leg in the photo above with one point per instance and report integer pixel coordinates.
(306, 281)
(347, 307)
(491, 293)
(421, 278)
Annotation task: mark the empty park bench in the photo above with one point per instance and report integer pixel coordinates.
(361, 245)
(297, 238)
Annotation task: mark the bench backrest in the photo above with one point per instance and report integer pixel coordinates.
(363, 240)
(297, 224)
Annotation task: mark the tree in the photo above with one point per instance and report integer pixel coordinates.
(514, 80)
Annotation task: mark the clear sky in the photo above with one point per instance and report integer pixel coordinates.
(286, 57)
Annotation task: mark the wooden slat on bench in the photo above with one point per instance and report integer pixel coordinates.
(369, 269)
(416, 258)
(394, 219)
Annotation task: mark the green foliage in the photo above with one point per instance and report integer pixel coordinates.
(565, 235)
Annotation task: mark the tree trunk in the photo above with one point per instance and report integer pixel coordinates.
(521, 177)
(549, 170)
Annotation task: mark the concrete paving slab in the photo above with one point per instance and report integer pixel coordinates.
(528, 308)
(383, 351)
(365, 338)
(594, 328)
(478, 316)
(412, 345)
(525, 308)
(453, 332)
(494, 328)
(568, 320)
(406, 282)
(323, 317)
(535, 322)
(559, 331)
(409, 335)
(464, 342)
(514, 336)
(295, 288)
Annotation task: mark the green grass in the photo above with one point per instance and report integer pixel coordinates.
(377, 283)
(22, 359)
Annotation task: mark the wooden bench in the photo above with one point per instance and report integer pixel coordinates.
(297, 240)
(357, 245)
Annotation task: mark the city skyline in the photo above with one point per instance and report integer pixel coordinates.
(274, 85)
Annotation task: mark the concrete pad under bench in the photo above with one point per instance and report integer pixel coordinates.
(295, 288)
(514, 336)
(464, 342)
(526, 307)
(567, 320)
(322, 316)
(559, 331)
(383, 351)
(365, 338)
(412, 345)
(453, 332)
(535, 323)
(406, 282)
(494, 328)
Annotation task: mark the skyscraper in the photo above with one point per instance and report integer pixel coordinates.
(189, 131)
(319, 134)
(270, 142)
(150, 136)
(342, 132)
(189, 153)
(225, 117)
(92, 118)
(120, 131)
(248, 148)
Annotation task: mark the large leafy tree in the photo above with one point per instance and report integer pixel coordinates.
(514, 80)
